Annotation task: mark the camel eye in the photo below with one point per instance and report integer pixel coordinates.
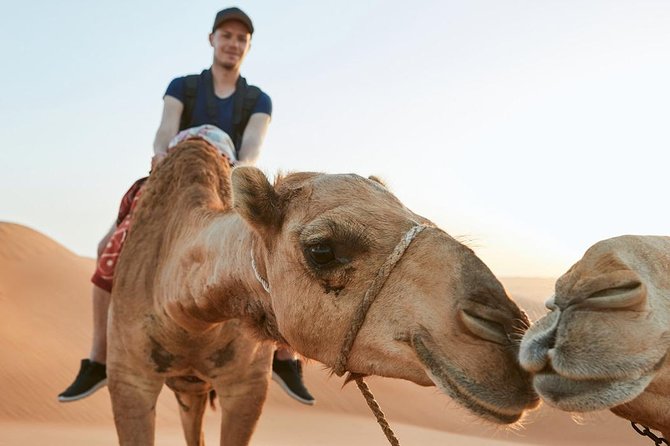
(321, 254)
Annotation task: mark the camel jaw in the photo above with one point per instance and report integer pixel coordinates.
(587, 395)
(454, 382)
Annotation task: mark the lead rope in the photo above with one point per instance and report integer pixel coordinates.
(377, 411)
(646, 432)
(357, 323)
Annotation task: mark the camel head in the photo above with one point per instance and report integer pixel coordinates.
(607, 335)
(440, 317)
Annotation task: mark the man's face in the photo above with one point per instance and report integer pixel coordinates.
(231, 42)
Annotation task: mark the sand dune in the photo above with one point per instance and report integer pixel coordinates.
(45, 323)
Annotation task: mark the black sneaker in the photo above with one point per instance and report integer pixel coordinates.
(91, 377)
(288, 374)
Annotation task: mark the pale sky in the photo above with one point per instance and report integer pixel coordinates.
(531, 129)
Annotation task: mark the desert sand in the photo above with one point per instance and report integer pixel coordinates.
(45, 329)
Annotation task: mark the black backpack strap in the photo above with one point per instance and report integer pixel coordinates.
(244, 101)
(210, 98)
(190, 92)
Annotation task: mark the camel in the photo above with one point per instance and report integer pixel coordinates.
(604, 344)
(221, 266)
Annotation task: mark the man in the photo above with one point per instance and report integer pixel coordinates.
(220, 97)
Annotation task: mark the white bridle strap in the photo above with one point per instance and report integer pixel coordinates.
(264, 283)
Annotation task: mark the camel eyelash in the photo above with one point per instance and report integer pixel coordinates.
(336, 235)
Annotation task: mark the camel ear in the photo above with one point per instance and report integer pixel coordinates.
(255, 199)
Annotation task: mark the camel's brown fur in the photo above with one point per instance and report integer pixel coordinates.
(188, 310)
(605, 343)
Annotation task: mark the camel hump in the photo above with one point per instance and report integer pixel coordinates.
(193, 175)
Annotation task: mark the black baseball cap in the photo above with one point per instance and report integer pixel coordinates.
(228, 14)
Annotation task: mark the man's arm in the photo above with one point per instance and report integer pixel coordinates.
(253, 137)
(172, 110)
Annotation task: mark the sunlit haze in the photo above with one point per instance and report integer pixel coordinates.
(528, 129)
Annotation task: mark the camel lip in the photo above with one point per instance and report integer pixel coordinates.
(450, 388)
(444, 376)
(585, 395)
(619, 376)
(588, 395)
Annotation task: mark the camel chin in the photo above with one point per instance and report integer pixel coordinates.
(459, 389)
(588, 395)
(470, 388)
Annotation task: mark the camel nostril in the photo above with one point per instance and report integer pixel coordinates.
(483, 328)
(550, 304)
(622, 296)
(538, 344)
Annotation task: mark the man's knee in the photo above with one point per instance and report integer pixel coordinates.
(105, 240)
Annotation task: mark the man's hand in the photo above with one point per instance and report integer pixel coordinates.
(156, 159)
(172, 110)
(252, 139)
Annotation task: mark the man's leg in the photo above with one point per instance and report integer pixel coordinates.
(92, 371)
(284, 354)
(287, 372)
(101, 299)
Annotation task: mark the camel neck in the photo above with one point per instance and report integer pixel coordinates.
(649, 408)
(221, 284)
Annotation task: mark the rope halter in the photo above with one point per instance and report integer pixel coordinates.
(377, 284)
